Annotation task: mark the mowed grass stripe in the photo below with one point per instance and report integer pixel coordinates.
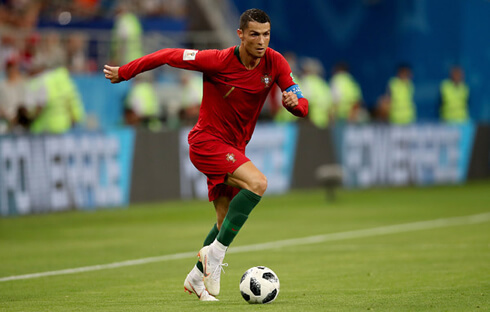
(383, 230)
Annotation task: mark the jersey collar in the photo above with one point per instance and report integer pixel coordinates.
(237, 54)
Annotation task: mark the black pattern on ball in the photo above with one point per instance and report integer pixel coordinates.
(255, 286)
(261, 267)
(244, 276)
(269, 276)
(271, 296)
(245, 296)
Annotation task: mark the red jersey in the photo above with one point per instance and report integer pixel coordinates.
(233, 96)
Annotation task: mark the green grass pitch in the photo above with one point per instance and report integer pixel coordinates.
(436, 268)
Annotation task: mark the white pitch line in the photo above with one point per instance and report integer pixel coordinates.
(383, 230)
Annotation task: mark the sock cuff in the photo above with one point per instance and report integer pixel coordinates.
(251, 195)
(219, 246)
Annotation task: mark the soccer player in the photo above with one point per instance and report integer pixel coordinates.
(236, 82)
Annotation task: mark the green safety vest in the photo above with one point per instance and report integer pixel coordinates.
(454, 99)
(317, 91)
(63, 104)
(131, 48)
(144, 94)
(350, 93)
(402, 108)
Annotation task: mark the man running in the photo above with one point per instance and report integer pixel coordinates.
(236, 82)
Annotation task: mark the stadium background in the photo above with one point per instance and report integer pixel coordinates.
(115, 166)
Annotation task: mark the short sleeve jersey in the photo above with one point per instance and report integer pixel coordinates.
(233, 96)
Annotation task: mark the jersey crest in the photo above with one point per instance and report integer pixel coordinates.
(266, 80)
(230, 157)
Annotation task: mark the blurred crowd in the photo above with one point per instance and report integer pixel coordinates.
(37, 91)
(334, 99)
(38, 94)
(337, 98)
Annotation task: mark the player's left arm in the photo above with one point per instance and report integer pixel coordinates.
(292, 97)
(294, 101)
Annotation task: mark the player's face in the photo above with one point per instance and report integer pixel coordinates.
(255, 38)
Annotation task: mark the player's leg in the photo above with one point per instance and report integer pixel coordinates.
(253, 185)
(221, 205)
(248, 177)
(193, 283)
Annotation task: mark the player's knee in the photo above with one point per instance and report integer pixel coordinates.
(259, 185)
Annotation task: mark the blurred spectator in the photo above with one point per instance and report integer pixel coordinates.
(36, 94)
(346, 95)
(173, 8)
(142, 108)
(315, 88)
(191, 83)
(382, 110)
(292, 59)
(63, 108)
(51, 53)
(12, 96)
(126, 35)
(8, 49)
(77, 59)
(399, 102)
(20, 13)
(29, 51)
(86, 8)
(454, 97)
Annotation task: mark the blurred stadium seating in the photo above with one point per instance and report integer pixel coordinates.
(372, 36)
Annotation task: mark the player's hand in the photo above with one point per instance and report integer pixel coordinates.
(112, 73)
(289, 99)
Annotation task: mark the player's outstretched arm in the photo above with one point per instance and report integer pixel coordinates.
(112, 73)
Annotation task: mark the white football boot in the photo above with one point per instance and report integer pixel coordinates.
(194, 284)
(212, 265)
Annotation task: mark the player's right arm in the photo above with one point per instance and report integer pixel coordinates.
(112, 73)
(207, 60)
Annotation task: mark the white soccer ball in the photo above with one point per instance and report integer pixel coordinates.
(259, 285)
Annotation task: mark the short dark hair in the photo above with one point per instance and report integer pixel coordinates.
(253, 15)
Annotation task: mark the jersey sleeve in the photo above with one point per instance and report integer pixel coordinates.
(203, 61)
(286, 82)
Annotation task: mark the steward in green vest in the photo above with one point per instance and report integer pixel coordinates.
(126, 36)
(346, 93)
(63, 107)
(454, 97)
(317, 91)
(401, 90)
(142, 106)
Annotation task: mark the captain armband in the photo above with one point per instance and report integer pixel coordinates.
(296, 90)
